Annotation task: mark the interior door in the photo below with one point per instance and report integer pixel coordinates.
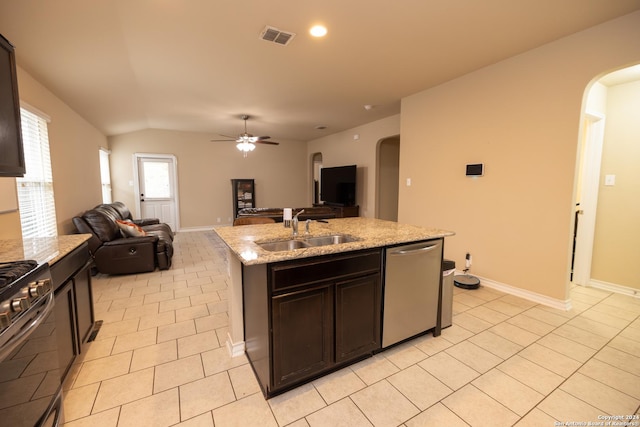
(157, 188)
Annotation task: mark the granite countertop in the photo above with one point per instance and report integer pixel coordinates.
(41, 249)
(371, 233)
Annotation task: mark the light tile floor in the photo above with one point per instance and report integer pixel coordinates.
(160, 360)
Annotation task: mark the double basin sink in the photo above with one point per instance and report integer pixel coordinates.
(307, 242)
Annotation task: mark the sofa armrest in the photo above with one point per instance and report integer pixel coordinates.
(127, 255)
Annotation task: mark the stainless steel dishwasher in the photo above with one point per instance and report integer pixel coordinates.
(413, 274)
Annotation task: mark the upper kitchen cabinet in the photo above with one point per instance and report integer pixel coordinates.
(11, 152)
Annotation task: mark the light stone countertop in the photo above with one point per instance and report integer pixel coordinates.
(41, 249)
(372, 233)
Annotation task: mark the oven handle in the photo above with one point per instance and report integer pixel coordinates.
(25, 331)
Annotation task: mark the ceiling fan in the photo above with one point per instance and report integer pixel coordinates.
(245, 141)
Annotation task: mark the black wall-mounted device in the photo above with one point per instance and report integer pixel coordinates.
(476, 169)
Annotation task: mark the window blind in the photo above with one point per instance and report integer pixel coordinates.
(35, 189)
(105, 176)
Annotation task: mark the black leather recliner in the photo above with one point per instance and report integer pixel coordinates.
(115, 253)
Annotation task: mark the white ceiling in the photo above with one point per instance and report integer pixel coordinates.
(197, 65)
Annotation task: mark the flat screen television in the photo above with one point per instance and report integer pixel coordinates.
(338, 185)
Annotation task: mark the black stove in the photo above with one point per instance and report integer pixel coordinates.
(12, 271)
(28, 346)
(22, 284)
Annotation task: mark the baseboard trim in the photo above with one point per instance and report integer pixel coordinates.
(564, 305)
(235, 349)
(613, 287)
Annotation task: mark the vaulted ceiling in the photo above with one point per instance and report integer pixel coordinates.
(197, 65)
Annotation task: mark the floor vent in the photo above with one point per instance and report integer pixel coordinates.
(272, 34)
(96, 329)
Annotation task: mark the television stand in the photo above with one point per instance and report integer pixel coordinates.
(342, 211)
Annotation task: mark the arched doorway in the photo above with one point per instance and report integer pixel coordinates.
(316, 165)
(604, 232)
(387, 178)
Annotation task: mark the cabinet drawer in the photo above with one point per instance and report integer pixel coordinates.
(284, 276)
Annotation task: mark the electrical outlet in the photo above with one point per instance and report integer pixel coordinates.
(218, 219)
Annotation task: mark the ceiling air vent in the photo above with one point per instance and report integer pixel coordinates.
(272, 34)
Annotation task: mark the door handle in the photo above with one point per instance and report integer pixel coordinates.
(412, 251)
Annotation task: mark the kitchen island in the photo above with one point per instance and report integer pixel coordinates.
(301, 307)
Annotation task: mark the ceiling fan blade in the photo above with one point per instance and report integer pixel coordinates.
(260, 138)
(267, 142)
(222, 140)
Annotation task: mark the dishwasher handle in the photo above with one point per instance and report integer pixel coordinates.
(412, 251)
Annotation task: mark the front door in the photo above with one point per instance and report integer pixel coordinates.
(157, 185)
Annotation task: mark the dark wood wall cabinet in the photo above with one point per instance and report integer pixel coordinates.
(11, 151)
(304, 318)
(73, 304)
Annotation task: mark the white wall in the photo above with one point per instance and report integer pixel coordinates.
(617, 232)
(205, 170)
(341, 149)
(521, 117)
(74, 145)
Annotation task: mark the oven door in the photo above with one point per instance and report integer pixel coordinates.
(30, 385)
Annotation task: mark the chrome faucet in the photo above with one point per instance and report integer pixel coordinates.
(294, 223)
(306, 227)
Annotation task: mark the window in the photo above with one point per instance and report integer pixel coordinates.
(35, 189)
(105, 175)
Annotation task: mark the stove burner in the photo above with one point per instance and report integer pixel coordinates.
(12, 271)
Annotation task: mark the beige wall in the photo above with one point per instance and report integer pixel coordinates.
(617, 230)
(387, 182)
(74, 145)
(342, 149)
(205, 169)
(521, 118)
(10, 223)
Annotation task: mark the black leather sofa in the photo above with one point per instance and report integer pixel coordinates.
(115, 252)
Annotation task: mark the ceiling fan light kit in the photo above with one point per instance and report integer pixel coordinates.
(245, 141)
(245, 147)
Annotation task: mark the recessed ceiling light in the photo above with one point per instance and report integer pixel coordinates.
(318, 31)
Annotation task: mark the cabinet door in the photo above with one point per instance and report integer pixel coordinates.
(302, 334)
(357, 317)
(83, 304)
(65, 327)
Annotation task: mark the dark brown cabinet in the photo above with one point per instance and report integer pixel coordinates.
(357, 317)
(73, 304)
(11, 151)
(244, 194)
(302, 334)
(304, 318)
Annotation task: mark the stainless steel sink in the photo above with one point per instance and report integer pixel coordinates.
(330, 240)
(283, 245)
(289, 245)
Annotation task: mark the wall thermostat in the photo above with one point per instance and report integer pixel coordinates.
(476, 169)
